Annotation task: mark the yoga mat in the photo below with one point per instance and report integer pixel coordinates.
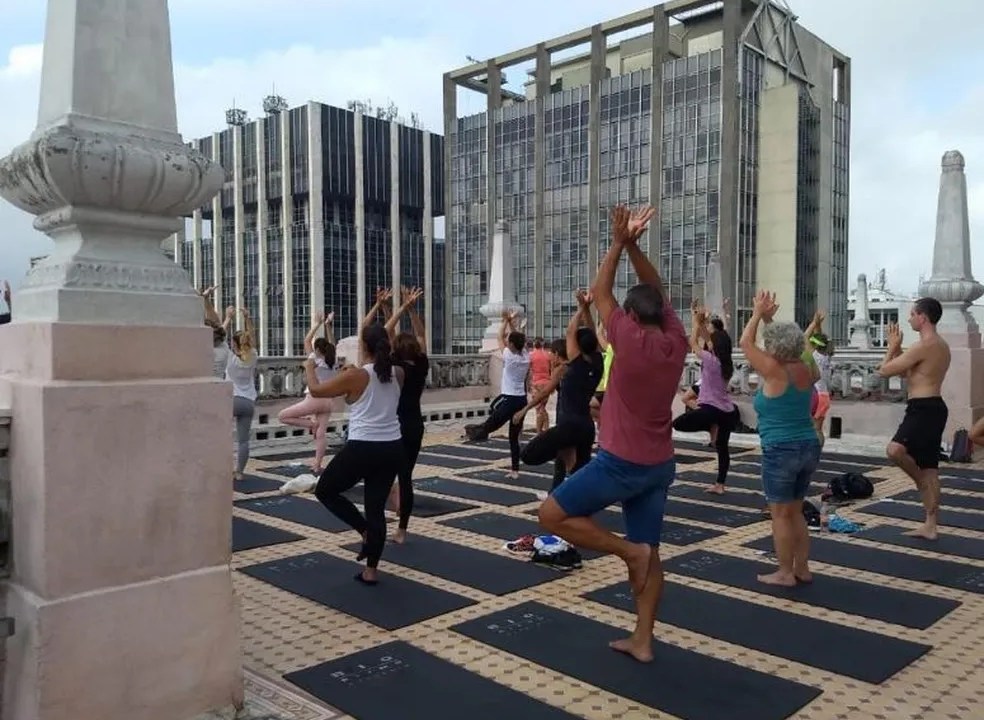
(873, 460)
(952, 482)
(946, 544)
(493, 574)
(706, 479)
(424, 506)
(964, 502)
(455, 463)
(840, 649)
(327, 580)
(688, 459)
(711, 514)
(469, 451)
(247, 535)
(295, 509)
(902, 511)
(840, 467)
(672, 533)
(289, 470)
(676, 683)
(845, 553)
(252, 484)
(532, 481)
(731, 498)
(853, 597)
(398, 679)
(704, 447)
(962, 471)
(296, 455)
(473, 491)
(504, 527)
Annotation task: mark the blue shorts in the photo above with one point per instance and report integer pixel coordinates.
(607, 480)
(787, 469)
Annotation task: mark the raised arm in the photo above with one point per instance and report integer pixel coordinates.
(602, 289)
(698, 327)
(602, 336)
(230, 315)
(419, 328)
(815, 326)
(764, 309)
(581, 317)
(317, 321)
(248, 327)
(508, 325)
(342, 384)
(382, 296)
(409, 298)
(644, 269)
(330, 327)
(208, 301)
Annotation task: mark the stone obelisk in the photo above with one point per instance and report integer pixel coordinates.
(860, 335)
(502, 298)
(714, 286)
(953, 284)
(120, 467)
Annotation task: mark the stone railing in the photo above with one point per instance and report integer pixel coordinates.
(5, 504)
(283, 377)
(853, 377)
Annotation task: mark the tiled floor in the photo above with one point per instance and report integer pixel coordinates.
(284, 633)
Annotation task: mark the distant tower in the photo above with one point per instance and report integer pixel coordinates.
(274, 104)
(235, 116)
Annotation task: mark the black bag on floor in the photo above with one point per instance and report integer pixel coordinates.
(849, 486)
(961, 451)
(811, 514)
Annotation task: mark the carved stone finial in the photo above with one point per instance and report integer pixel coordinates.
(502, 296)
(106, 172)
(860, 337)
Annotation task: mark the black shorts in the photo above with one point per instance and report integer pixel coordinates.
(921, 431)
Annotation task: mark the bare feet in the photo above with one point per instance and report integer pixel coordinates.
(716, 489)
(514, 474)
(804, 578)
(637, 561)
(926, 532)
(643, 652)
(778, 577)
(400, 536)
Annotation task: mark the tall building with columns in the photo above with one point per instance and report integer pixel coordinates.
(320, 207)
(730, 117)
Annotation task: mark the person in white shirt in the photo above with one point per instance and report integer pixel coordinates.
(241, 372)
(512, 393)
(373, 452)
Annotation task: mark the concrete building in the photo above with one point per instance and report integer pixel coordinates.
(320, 207)
(730, 117)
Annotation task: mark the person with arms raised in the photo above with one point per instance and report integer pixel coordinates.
(635, 465)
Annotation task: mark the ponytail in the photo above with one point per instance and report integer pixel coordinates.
(377, 343)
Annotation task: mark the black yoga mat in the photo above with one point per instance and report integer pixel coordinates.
(833, 466)
(711, 514)
(275, 457)
(823, 474)
(675, 683)
(946, 573)
(532, 481)
(375, 684)
(704, 447)
(903, 511)
(485, 571)
(964, 502)
(252, 484)
(841, 649)
(291, 471)
(878, 602)
(963, 471)
(672, 533)
(737, 499)
(706, 479)
(474, 491)
(247, 535)
(504, 527)
(472, 451)
(424, 506)
(946, 544)
(968, 484)
(688, 459)
(872, 460)
(327, 580)
(455, 463)
(295, 509)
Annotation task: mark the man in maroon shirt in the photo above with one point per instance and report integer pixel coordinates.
(635, 466)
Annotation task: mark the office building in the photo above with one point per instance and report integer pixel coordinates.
(321, 206)
(730, 117)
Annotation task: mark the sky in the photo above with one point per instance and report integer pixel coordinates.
(917, 88)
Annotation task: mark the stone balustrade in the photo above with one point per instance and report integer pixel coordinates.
(283, 377)
(4, 496)
(853, 376)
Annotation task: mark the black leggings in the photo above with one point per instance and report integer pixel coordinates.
(502, 410)
(578, 433)
(376, 464)
(412, 433)
(701, 420)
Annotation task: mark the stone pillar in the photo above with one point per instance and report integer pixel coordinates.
(121, 589)
(714, 286)
(502, 298)
(953, 284)
(860, 335)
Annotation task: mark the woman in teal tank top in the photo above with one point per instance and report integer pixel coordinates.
(790, 447)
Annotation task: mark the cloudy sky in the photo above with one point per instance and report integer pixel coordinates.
(917, 87)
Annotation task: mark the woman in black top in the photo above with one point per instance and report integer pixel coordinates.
(571, 439)
(409, 353)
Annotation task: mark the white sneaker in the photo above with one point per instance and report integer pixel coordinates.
(300, 484)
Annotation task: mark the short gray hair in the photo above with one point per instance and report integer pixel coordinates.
(783, 340)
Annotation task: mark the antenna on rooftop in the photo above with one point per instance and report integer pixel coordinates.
(274, 104)
(235, 116)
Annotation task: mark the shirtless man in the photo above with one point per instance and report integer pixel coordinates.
(916, 445)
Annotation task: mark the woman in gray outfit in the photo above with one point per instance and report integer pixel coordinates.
(241, 372)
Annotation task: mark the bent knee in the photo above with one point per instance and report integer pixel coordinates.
(550, 513)
(895, 451)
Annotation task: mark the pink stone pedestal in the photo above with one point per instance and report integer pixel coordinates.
(963, 388)
(122, 499)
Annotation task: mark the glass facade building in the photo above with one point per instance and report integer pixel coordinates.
(671, 118)
(320, 207)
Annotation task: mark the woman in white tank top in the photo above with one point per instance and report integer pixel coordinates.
(311, 412)
(373, 452)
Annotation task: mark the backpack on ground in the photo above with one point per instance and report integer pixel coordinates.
(849, 486)
(811, 514)
(962, 450)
